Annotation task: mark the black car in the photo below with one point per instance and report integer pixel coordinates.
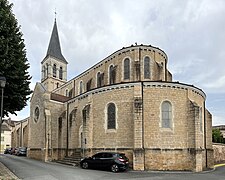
(113, 161)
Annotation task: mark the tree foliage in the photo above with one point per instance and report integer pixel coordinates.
(13, 62)
(217, 136)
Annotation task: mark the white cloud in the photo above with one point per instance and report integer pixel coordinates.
(190, 32)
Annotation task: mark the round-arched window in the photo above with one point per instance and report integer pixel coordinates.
(36, 114)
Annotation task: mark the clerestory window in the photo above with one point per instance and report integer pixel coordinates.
(147, 68)
(126, 69)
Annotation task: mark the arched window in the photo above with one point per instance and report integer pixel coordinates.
(146, 68)
(44, 72)
(81, 87)
(46, 69)
(54, 70)
(111, 116)
(126, 69)
(111, 75)
(166, 114)
(60, 73)
(99, 79)
(67, 93)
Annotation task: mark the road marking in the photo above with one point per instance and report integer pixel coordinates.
(218, 165)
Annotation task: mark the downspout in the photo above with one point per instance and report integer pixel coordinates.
(142, 96)
(21, 133)
(67, 129)
(206, 154)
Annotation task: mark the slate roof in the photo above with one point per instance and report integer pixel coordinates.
(54, 48)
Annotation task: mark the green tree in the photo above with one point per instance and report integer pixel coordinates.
(217, 136)
(13, 62)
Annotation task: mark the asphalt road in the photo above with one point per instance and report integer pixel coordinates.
(31, 169)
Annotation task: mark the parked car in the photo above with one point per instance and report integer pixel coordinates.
(7, 151)
(113, 161)
(13, 151)
(21, 151)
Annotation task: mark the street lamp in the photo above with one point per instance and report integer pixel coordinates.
(2, 86)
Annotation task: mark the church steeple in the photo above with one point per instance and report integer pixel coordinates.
(54, 65)
(54, 48)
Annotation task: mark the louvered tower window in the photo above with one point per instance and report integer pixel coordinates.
(60, 73)
(166, 114)
(111, 116)
(54, 70)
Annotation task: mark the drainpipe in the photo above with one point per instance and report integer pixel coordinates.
(21, 133)
(67, 129)
(143, 134)
(206, 158)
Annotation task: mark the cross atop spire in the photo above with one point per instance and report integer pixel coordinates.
(55, 14)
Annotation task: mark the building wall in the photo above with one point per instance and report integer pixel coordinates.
(219, 152)
(5, 138)
(80, 124)
(19, 136)
(136, 54)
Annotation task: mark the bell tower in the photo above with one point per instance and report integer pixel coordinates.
(54, 65)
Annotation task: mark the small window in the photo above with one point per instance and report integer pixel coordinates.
(126, 69)
(99, 79)
(44, 72)
(54, 70)
(112, 74)
(71, 93)
(47, 69)
(111, 116)
(81, 87)
(166, 114)
(146, 68)
(67, 93)
(36, 114)
(61, 73)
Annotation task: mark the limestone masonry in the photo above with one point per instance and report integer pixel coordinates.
(127, 102)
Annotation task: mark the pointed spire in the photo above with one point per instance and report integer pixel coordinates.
(54, 48)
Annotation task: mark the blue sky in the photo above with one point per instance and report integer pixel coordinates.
(190, 32)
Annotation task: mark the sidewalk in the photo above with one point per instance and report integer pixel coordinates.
(6, 174)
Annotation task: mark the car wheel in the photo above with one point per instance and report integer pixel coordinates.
(114, 168)
(84, 165)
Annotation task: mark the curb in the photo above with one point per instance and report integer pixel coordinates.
(219, 165)
(6, 174)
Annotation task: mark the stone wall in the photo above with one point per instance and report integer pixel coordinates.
(219, 152)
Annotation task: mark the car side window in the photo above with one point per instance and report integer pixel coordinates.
(96, 156)
(107, 155)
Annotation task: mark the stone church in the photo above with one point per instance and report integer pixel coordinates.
(127, 102)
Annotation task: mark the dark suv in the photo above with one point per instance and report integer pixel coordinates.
(113, 161)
